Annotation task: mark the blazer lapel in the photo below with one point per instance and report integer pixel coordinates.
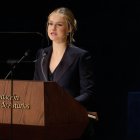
(67, 60)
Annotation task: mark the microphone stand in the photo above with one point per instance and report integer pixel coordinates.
(11, 87)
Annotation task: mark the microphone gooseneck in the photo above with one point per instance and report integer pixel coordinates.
(16, 63)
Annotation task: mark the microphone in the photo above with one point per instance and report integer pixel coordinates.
(16, 63)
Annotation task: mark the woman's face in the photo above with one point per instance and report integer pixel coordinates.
(57, 28)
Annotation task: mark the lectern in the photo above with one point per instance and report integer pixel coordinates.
(40, 111)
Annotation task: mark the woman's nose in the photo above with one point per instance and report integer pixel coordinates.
(54, 27)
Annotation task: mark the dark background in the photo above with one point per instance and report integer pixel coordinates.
(109, 30)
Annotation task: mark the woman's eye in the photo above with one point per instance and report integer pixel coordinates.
(50, 23)
(59, 24)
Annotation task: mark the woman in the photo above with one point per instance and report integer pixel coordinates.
(63, 62)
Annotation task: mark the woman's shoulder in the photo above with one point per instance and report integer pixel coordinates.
(82, 53)
(77, 49)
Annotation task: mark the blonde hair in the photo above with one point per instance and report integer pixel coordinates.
(71, 21)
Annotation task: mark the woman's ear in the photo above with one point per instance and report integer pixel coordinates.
(69, 28)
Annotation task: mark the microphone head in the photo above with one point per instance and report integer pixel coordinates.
(27, 53)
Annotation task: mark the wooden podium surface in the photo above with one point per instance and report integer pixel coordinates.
(39, 110)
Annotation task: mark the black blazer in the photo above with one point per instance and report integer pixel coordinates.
(74, 73)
